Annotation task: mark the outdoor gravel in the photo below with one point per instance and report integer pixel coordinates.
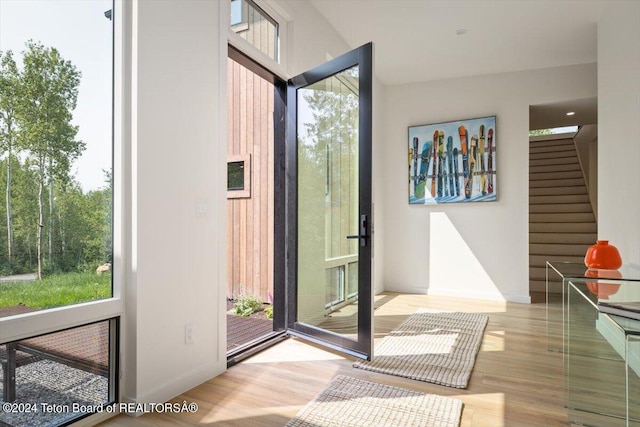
(52, 386)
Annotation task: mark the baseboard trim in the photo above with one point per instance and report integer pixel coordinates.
(406, 290)
(179, 385)
(521, 299)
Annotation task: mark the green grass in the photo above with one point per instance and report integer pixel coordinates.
(56, 290)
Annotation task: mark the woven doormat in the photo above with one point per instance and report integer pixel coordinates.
(435, 347)
(350, 402)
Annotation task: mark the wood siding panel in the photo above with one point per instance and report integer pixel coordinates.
(231, 136)
(250, 220)
(255, 179)
(241, 219)
(264, 180)
(271, 183)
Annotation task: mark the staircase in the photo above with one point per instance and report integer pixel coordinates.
(561, 221)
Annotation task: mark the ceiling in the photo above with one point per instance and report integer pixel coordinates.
(417, 40)
(547, 116)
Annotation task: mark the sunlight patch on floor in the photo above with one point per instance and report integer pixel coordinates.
(296, 352)
(494, 417)
(493, 341)
(284, 411)
(440, 343)
(404, 303)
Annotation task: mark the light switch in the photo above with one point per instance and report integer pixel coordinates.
(202, 207)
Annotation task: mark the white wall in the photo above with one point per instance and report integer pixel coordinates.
(176, 275)
(378, 169)
(468, 250)
(312, 40)
(619, 128)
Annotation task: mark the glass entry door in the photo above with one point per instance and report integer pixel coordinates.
(329, 209)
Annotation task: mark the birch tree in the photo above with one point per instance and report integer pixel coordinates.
(48, 96)
(9, 84)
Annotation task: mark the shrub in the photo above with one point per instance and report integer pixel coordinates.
(246, 306)
(268, 310)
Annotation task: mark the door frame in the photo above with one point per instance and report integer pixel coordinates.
(279, 131)
(362, 348)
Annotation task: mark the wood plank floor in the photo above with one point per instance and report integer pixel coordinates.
(517, 379)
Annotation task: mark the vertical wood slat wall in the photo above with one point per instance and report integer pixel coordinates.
(260, 33)
(250, 220)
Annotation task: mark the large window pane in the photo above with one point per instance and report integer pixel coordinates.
(51, 379)
(328, 201)
(56, 108)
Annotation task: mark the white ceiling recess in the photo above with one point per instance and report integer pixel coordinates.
(418, 41)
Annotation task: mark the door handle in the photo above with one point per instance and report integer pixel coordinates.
(363, 236)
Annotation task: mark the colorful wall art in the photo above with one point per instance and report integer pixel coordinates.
(453, 162)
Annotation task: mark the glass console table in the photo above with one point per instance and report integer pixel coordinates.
(576, 272)
(602, 355)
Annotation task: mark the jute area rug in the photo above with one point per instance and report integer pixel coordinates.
(435, 347)
(352, 402)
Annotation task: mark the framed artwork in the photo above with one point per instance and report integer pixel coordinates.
(453, 162)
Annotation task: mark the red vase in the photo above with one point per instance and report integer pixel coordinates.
(603, 256)
(600, 289)
(603, 290)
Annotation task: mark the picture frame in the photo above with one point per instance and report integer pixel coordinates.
(453, 162)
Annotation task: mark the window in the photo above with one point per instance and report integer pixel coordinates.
(239, 15)
(254, 25)
(239, 176)
(235, 179)
(554, 131)
(56, 149)
(54, 378)
(56, 235)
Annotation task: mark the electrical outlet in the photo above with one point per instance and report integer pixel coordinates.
(188, 334)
